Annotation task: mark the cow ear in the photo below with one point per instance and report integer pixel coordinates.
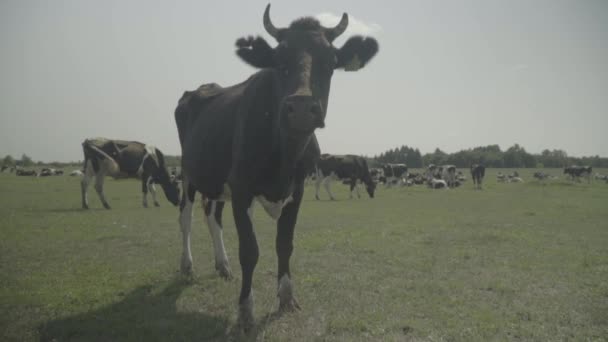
(255, 52)
(356, 53)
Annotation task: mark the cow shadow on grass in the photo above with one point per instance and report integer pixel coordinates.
(142, 315)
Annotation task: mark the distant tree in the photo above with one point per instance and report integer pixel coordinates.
(8, 160)
(26, 160)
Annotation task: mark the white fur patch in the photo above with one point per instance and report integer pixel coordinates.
(273, 209)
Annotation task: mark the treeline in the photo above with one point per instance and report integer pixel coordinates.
(26, 161)
(491, 156)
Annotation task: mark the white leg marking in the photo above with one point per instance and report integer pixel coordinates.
(245, 319)
(185, 223)
(84, 183)
(221, 260)
(326, 183)
(152, 190)
(99, 180)
(287, 301)
(318, 180)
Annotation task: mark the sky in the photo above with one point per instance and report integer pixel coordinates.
(449, 74)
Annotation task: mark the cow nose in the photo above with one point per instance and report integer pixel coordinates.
(304, 113)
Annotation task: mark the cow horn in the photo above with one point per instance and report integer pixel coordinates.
(268, 25)
(335, 32)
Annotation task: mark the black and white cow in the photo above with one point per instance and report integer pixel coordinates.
(23, 172)
(478, 171)
(575, 172)
(349, 168)
(255, 141)
(125, 159)
(448, 174)
(395, 174)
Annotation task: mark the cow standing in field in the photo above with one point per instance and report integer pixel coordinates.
(478, 171)
(349, 168)
(125, 159)
(255, 141)
(448, 174)
(395, 174)
(576, 172)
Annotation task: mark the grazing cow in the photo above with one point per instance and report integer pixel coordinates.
(45, 172)
(435, 183)
(349, 168)
(125, 159)
(448, 173)
(395, 173)
(576, 172)
(478, 171)
(76, 173)
(21, 172)
(255, 140)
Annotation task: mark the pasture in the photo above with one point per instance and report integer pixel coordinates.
(512, 262)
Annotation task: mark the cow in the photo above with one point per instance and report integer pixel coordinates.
(125, 159)
(478, 171)
(349, 168)
(576, 172)
(255, 141)
(22, 172)
(435, 183)
(395, 173)
(45, 172)
(76, 173)
(448, 173)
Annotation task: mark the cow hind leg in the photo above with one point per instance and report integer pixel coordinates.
(326, 184)
(185, 224)
(213, 214)
(99, 180)
(84, 184)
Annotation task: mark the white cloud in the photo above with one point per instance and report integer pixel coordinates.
(355, 26)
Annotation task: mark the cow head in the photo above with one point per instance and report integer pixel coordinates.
(172, 191)
(303, 62)
(370, 187)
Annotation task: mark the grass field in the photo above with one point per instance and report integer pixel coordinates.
(512, 262)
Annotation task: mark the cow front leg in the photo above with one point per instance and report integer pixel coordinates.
(185, 224)
(84, 184)
(144, 191)
(284, 248)
(99, 179)
(248, 256)
(213, 214)
(152, 189)
(318, 180)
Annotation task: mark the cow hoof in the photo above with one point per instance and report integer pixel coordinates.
(186, 267)
(317, 197)
(145, 205)
(246, 321)
(224, 271)
(156, 204)
(107, 206)
(85, 206)
(287, 302)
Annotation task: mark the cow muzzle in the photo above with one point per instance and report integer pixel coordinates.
(303, 113)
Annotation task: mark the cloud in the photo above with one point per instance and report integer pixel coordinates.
(355, 26)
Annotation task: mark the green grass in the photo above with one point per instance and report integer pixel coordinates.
(512, 262)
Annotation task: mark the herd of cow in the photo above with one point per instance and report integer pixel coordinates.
(255, 141)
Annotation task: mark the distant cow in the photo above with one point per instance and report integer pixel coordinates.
(395, 173)
(349, 168)
(435, 183)
(576, 172)
(45, 172)
(21, 172)
(448, 173)
(478, 171)
(76, 173)
(125, 159)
